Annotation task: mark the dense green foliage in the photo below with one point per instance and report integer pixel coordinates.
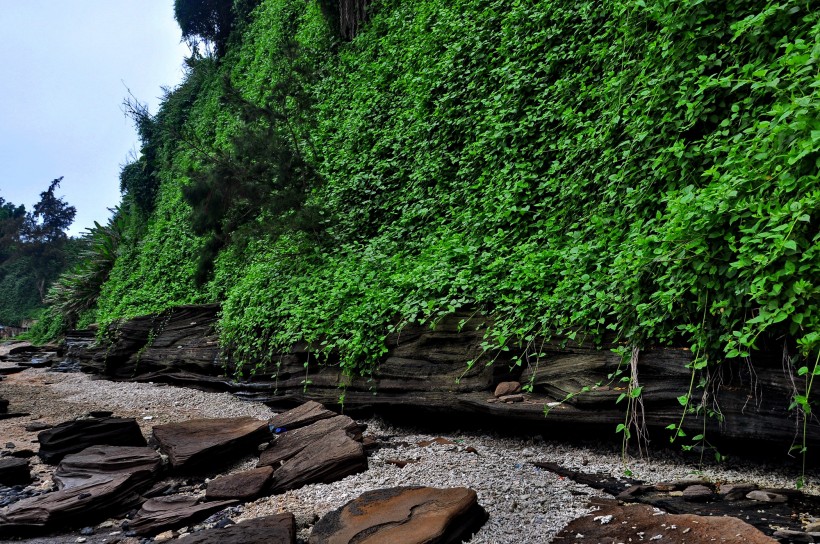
(74, 295)
(643, 168)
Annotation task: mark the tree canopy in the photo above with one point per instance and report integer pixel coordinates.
(34, 251)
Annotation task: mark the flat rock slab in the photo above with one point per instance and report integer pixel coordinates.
(640, 523)
(94, 483)
(74, 506)
(276, 529)
(165, 513)
(195, 442)
(291, 443)
(410, 515)
(242, 486)
(14, 471)
(142, 464)
(75, 436)
(301, 416)
(325, 460)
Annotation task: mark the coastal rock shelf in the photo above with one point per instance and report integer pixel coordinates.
(426, 369)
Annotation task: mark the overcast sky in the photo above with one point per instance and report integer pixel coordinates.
(65, 68)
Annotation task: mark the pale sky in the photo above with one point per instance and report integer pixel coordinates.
(65, 68)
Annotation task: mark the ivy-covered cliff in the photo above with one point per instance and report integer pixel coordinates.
(644, 169)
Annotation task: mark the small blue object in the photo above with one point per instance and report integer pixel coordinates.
(278, 430)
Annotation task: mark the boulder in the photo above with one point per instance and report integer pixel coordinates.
(276, 529)
(697, 493)
(163, 513)
(507, 388)
(14, 472)
(301, 416)
(410, 515)
(77, 435)
(94, 484)
(638, 522)
(195, 442)
(290, 443)
(242, 486)
(324, 460)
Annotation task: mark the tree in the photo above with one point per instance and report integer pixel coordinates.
(11, 223)
(51, 216)
(44, 236)
(209, 20)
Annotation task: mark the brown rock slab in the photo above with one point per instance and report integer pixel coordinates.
(95, 483)
(242, 486)
(276, 529)
(291, 443)
(75, 436)
(197, 441)
(326, 460)
(162, 513)
(410, 515)
(14, 471)
(507, 388)
(79, 505)
(301, 416)
(641, 523)
(142, 464)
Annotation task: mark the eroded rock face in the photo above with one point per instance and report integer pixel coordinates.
(277, 529)
(199, 441)
(424, 370)
(615, 523)
(75, 436)
(410, 515)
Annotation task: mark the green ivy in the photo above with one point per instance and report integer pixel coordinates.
(644, 168)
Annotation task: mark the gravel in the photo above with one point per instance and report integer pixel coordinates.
(526, 504)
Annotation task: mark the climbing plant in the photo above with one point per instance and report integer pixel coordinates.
(645, 170)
